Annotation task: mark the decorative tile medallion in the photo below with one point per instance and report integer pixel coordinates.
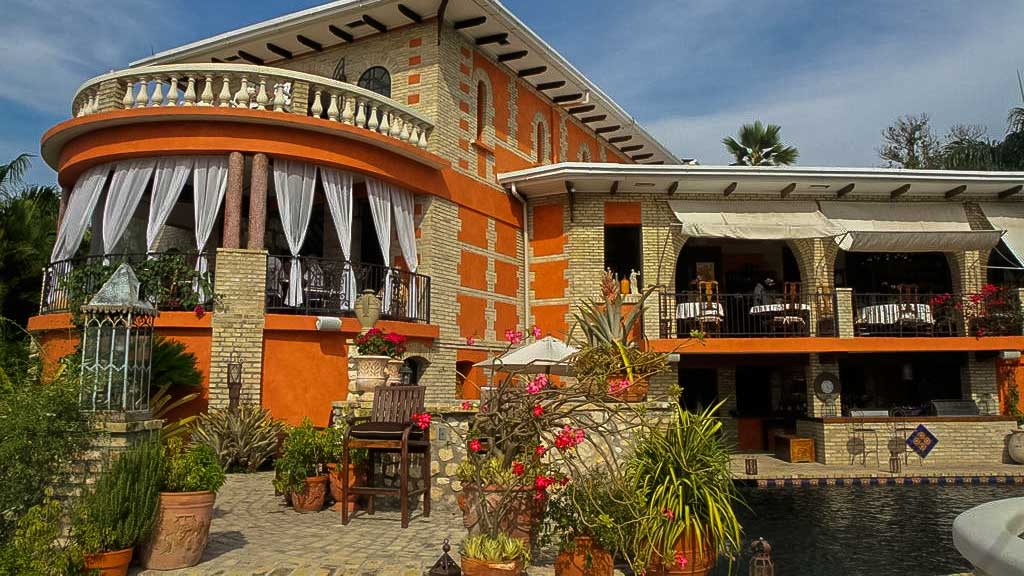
(922, 441)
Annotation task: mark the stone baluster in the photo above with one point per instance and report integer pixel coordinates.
(129, 94)
(190, 92)
(422, 142)
(242, 97)
(404, 134)
(158, 93)
(206, 99)
(224, 99)
(385, 125)
(347, 115)
(142, 98)
(261, 96)
(318, 107)
(414, 134)
(395, 130)
(361, 114)
(373, 123)
(279, 98)
(172, 92)
(332, 110)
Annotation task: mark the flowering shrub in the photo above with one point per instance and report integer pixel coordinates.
(514, 337)
(994, 311)
(421, 420)
(376, 342)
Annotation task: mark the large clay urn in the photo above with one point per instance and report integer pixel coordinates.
(181, 531)
(367, 309)
(1015, 445)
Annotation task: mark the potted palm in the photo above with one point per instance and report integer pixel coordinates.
(118, 513)
(377, 349)
(681, 473)
(497, 555)
(300, 469)
(186, 508)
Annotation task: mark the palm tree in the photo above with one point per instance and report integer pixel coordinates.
(1015, 120)
(760, 145)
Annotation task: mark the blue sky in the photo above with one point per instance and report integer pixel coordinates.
(832, 74)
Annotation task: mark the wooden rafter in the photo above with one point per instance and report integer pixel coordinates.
(567, 98)
(510, 56)
(283, 53)
(340, 33)
(673, 187)
(527, 72)
(956, 191)
(615, 188)
(899, 192)
(1010, 191)
(842, 192)
(550, 85)
(632, 148)
(582, 109)
(730, 188)
(594, 118)
(410, 13)
(309, 43)
(251, 58)
(620, 139)
(607, 129)
(643, 156)
(374, 23)
(785, 192)
(500, 38)
(469, 22)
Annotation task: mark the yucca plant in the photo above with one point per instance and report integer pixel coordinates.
(608, 332)
(243, 439)
(500, 548)
(162, 404)
(682, 473)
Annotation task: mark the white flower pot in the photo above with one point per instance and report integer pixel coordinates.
(371, 372)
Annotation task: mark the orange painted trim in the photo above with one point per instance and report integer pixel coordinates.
(295, 323)
(816, 345)
(622, 214)
(62, 321)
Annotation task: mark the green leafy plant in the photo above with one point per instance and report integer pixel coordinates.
(598, 505)
(681, 472)
(120, 510)
(175, 378)
(37, 547)
(306, 451)
(242, 439)
(192, 468)
(498, 548)
(335, 442)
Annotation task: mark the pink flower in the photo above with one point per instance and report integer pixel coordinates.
(394, 338)
(539, 382)
(514, 336)
(199, 310)
(668, 513)
(681, 560)
(422, 421)
(518, 468)
(536, 332)
(538, 411)
(470, 340)
(540, 450)
(569, 437)
(618, 386)
(475, 445)
(467, 405)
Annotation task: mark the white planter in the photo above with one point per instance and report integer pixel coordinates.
(371, 372)
(1015, 446)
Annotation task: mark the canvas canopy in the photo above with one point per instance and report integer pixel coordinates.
(1009, 217)
(906, 227)
(757, 220)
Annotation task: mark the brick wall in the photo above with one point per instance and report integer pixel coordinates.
(240, 284)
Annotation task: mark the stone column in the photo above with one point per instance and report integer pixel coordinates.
(258, 201)
(978, 382)
(844, 312)
(238, 323)
(233, 201)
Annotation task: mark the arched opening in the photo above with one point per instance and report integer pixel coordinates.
(541, 141)
(376, 79)
(418, 365)
(481, 110)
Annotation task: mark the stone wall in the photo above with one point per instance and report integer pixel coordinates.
(112, 439)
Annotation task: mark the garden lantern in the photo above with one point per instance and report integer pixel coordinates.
(445, 565)
(234, 382)
(761, 562)
(750, 465)
(406, 374)
(117, 345)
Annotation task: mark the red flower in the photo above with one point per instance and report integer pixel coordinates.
(564, 480)
(373, 332)
(569, 437)
(540, 450)
(681, 560)
(467, 405)
(474, 445)
(199, 310)
(668, 513)
(538, 411)
(536, 332)
(470, 340)
(518, 468)
(394, 338)
(421, 420)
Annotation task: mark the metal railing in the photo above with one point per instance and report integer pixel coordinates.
(745, 316)
(330, 287)
(994, 311)
(168, 280)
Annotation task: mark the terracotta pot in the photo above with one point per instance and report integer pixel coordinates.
(585, 559)
(371, 372)
(356, 475)
(694, 566)
(108, 563)
(311, 499)
(472, 567)
(636, 392)
(1015, 446)
(181, 531)
(524, 516)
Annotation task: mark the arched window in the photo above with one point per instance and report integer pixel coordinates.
(481, 110)
(376, 79)
(541, 137)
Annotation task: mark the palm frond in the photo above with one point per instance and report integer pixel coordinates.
(12, 173)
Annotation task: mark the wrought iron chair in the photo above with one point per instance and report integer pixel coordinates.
(389, 428)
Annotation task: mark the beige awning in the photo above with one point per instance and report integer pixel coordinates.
(753, 220)
(1009, 217)
(906, 227)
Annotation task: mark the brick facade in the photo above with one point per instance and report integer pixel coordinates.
(238, 323)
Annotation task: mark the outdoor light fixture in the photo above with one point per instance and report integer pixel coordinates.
(234, 382)
(406, 375)
(750, 465)
(445, 565)
(761, 560)
(117, 346)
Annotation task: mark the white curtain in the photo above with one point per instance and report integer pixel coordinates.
(79, 211)
(169, 179)
(404, 206)
(379, 195)
(126, 188)
(338, 189)
(294, 183)
(209, 183)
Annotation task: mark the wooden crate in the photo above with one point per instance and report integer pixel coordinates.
(792, 448)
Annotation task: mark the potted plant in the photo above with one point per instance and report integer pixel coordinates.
(610, 360)
(498, 555)
(590, 520)
(300, 469)
(354, 475)
(186, 507)
(681, 472)
(118, 513)
(376, 349)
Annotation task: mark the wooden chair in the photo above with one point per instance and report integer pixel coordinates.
(791, 318)
(710, 314)
(909, 319)
(389, 428)
(825, 311)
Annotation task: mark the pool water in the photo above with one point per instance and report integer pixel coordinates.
(869, 530)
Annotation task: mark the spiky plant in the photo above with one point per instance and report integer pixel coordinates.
(760, 145)
(242, 439)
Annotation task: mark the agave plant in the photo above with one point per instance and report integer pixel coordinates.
(243, 439)
(606, 328)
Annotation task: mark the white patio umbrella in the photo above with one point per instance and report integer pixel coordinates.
(547, 355)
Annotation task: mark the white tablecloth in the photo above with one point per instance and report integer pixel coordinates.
(893, 313)
(777, 308)
(690, 310)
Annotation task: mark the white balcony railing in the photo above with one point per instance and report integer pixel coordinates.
(251, 87)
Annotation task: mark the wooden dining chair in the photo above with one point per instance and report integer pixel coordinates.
(824, 311)
(908, 309)
(389, 429)
(710, 313)
(791, 317)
